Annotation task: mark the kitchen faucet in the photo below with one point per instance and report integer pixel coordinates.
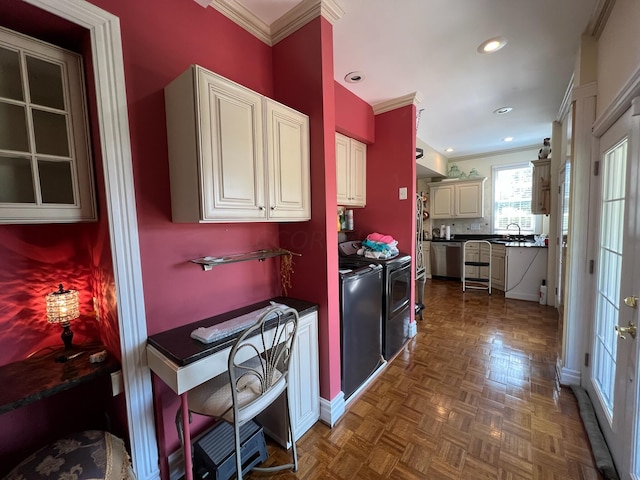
(519, 232)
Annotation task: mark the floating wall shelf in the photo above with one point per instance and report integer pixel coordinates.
(208, 263)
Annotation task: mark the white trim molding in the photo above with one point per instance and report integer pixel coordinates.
(619, 105)
(288, 23)
(302, 14)
(113, 121)
(568, 376)
(414, 98)
(577, 311)
(331, 411)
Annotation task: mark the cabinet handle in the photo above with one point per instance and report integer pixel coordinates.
(273, 208)
(261, 208)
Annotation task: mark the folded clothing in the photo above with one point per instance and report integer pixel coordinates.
(379, 237)
(371, 249)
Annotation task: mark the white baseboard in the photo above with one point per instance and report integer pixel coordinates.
(570, 377)
(529, 297)
(412, 330)
(331, 411)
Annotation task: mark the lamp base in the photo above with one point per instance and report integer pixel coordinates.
(67, 336)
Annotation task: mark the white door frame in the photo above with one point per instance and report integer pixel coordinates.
(113, 120)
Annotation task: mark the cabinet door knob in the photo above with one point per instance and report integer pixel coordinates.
(273, 208)
(261, 208)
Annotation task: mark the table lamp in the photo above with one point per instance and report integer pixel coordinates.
(62, 307)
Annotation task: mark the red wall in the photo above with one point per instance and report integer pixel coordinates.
(303, 73)
(159, 42)
(391, 164)
(354, 116)
(35, 259)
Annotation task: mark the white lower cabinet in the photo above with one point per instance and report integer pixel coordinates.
(304, 386)
(498, 266)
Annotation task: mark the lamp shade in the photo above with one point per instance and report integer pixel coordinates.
(63, 305)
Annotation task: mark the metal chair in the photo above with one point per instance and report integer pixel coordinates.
(258, 371)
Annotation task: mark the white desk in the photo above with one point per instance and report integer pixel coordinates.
(184, 363)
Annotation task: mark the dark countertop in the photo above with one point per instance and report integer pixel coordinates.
(178, 345)
(507, 241)
(42, 376)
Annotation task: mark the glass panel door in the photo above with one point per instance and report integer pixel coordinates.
(612, 377)
(609, 269)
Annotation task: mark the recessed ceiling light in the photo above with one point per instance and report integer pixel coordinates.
(449, 150)
(508, 139)
(354, 77)
(492, 45)
(502, 110)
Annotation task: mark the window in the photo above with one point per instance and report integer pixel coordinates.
(512, 199)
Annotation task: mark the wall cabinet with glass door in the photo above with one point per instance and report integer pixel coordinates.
(46, 174)
(234, 155)
(351, 171)
(457, 199)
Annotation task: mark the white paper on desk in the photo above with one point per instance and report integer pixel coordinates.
(229, 327)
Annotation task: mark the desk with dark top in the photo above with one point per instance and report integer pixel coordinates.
(41, 376)
(184, 363)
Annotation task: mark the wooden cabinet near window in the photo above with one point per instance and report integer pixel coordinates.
(457, 199)
(46, 175)
(541, 187)
(351, 171)
(234, 155)
(498, 272)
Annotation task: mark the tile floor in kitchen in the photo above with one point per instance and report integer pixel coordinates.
(473, 396)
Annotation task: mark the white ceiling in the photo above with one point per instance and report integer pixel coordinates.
(430, 47)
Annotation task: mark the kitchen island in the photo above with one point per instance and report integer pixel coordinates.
(525, 269)
(517, 267)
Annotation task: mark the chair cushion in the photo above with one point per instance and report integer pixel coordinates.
(91, 454)
(213, 398)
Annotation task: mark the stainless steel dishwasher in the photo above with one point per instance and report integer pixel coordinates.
(446, 260)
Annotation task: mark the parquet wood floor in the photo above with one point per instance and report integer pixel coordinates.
(473, 396)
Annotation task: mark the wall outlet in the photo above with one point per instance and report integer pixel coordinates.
(117, 383)
(403, 193)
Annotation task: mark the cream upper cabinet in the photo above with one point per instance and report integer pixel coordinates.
(442, 201)
(351, 171)
(457, 199)
(234, 155)
(46, 175)
(288, 163)
(541, 187)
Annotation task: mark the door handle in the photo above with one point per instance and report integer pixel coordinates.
(631, 301)
(630, 329)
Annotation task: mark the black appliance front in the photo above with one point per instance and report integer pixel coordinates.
(360, 325)
(397, 311)
(396, 296)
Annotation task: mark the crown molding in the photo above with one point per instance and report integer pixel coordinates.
(599, 17)
(236, 12)
(414, 98)
(302, 14)
(291, 21)
(565, 106)
(494, 153)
